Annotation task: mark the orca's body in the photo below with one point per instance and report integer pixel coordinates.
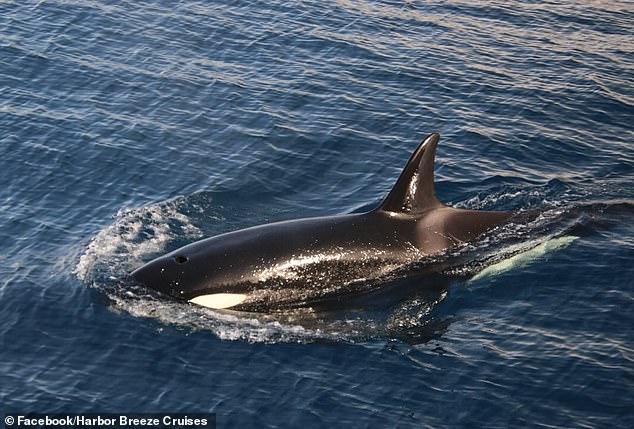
(252, 268)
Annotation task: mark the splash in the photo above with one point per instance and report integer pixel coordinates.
(135, 234)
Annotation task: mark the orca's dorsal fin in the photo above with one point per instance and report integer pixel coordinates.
(414, 190)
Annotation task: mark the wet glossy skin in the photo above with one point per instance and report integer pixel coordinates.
(283, 253)
(323, 255)
(306, 252)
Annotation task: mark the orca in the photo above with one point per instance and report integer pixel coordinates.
(297, 262)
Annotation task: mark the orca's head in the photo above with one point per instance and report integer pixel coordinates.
(176, 274)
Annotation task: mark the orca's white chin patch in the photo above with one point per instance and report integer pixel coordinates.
(219, 301)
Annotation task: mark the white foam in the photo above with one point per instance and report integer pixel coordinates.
(135, 234)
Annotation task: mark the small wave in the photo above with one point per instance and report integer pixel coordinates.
(135, 234)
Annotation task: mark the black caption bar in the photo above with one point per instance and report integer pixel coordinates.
(110, 421)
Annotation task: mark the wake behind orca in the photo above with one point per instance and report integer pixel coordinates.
(299, 262)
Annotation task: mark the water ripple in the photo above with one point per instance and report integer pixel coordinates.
(129, 128)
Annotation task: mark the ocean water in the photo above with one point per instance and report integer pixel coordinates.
(128, 129)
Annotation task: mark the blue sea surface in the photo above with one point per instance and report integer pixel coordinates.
(128, 129)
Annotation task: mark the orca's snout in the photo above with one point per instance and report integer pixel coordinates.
(148, 274)
(162, 274)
